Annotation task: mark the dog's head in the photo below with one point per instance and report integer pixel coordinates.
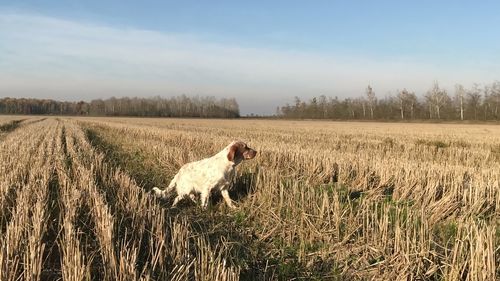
(239, 151)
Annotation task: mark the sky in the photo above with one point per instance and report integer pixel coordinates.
(263, 53)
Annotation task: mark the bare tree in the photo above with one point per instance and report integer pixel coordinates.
(459, 96)
(323, 105)
(350, 104)
(412, 101)
(437, 98)
(495, 96)
(372, 99)
(428, 103)
(362, 102)
(474, 99)
(487, 101)
(170, 107)
(403, 97)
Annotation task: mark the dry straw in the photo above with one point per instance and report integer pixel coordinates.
(324, 200)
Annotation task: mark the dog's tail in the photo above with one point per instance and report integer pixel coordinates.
(163, 193)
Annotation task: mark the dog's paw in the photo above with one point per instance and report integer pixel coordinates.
(232, 205)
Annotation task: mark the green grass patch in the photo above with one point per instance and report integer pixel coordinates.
(445, 232)
(246, 251)
(259, 260)
(136, 163)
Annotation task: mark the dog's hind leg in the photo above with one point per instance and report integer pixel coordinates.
(204, 196)
(192, 197)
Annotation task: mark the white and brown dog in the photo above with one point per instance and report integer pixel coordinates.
(203, 176)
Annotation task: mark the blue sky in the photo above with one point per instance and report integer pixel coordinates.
(261, 52)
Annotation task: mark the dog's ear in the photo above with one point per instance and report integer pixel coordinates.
(232, 152)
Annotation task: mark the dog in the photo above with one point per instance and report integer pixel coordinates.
(204, 176)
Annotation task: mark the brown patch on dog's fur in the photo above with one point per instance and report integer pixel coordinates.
(240, 150)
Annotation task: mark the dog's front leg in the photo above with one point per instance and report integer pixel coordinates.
(225, 194)
(229, 202)
(204, 196)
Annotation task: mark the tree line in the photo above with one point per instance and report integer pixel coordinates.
(476, 103)
(181, 106)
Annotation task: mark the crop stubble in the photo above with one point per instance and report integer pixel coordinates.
(323, 200)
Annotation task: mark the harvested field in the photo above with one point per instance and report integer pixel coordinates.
(321, 201)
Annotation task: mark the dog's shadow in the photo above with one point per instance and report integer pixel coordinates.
(242, 187)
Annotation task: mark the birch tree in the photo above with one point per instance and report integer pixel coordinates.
(403, 98)
(437, 98)
(474, 99)
(459, 97)
(372, 99)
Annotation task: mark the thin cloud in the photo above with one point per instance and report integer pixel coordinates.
(49, 57)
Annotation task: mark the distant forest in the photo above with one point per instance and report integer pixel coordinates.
(477, 103)
(182, 106)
